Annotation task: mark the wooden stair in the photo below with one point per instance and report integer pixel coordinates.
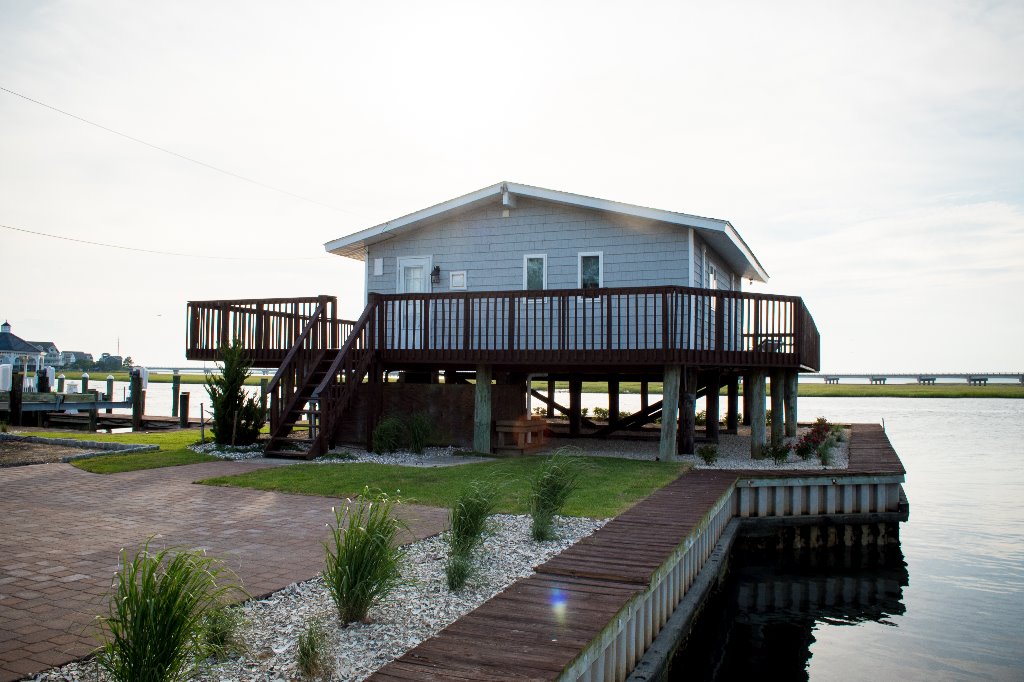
(319, 384)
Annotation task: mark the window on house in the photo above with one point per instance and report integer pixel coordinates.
(535, 272)
(591, 270)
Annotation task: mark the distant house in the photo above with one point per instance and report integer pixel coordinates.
(16, 351)
(53, 355)
(512, 284)
(71, 357)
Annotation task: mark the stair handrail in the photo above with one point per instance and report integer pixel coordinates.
(357, 329)
(294, 350)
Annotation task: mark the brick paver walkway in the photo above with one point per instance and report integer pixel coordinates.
(61, 530)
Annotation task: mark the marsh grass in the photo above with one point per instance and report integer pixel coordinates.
(222, 632)
(419, 431)
(155, 628)
(468, 521)
(388, 435)
(363, 561)
(312, 658)
(556, 479)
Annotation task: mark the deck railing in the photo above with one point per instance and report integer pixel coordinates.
(627, 326)
(630, 326)
(268, 327)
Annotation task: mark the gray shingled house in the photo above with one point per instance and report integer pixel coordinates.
(514, 283)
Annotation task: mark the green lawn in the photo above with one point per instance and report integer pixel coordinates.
(134, 461)
(608, 486)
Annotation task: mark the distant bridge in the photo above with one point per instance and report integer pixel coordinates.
(974, 378)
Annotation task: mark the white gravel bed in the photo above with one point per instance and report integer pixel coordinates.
(419, 608)
(430, 457)
(734, 453)
(254, 451)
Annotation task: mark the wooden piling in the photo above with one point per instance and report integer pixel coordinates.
(482, 411)
(575, 405)
(17, 389)
(85, 382)
(138, 400)
(688, 412)
(748, 380)
(778, 388)
(42, 381)
(183, 409)
(733, 405)
(613, 400)
(669, 412)
(714, 381)
(175, 391)
(645, 396)
(110, 391)
(60, 383)
(753, 384)
(792, 390)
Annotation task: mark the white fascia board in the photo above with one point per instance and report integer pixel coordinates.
(354, 245)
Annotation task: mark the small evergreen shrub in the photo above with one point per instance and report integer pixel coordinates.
(3, 427)
(419, 431)
(556, 479)
(312, 658)
(825, 450)
(388, 435)
(779, 453)
(701, 418)
(363, 563)
(237, 417)
(156, 624)
(708, 453)
(600, 413)
(584, 411)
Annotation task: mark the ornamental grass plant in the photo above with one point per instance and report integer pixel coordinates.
(363, 560)
(468, 521)
(311, 655)
(556, 479)
(155, 629)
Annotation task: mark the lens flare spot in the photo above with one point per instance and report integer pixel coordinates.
(559, 605)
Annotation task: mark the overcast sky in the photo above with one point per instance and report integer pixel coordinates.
(871, 154)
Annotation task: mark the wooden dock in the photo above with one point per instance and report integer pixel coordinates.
(591, 612)
(113, 421)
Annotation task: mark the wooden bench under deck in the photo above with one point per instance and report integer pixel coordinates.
(519, 436)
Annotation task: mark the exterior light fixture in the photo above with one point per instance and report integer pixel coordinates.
(435, 275)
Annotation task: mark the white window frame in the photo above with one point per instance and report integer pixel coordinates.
(526, 260)
(457, 280)
(600, 268)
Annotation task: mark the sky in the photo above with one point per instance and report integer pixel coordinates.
(871, 153)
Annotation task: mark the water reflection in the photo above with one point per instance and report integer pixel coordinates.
(764, 617)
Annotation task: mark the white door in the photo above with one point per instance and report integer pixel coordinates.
(413, 274)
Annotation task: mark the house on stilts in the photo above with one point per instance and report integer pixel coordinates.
(475, 298)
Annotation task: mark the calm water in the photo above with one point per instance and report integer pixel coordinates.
(954, 610)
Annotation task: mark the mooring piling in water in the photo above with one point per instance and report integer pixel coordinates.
(175, 390)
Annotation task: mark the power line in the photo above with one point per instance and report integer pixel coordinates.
(154, 251)
(174, 153)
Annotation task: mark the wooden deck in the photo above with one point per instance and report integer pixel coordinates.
(561, 620)
(567, 329)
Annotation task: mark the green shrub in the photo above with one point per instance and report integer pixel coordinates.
(221, 631)
(540, 411)
(419, 431)
(237, 417)
(556, 479)
(701, 418)
(600, 413)
(837, 432)
(3, 427)
(708, 453)
(312, 658)
(468, 520)
(779, 453)
(155, 626)
(584, 411)
(388, 435)
(625, 413)
(825, 450)
(363, 561)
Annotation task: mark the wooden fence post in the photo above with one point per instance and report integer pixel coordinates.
(183, 410)
(17, 390)
(138, 400)
(110, 391)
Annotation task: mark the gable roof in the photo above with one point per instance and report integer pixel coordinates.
(719, 234)
(11, 343)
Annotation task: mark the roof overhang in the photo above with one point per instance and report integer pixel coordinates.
(720, 234)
